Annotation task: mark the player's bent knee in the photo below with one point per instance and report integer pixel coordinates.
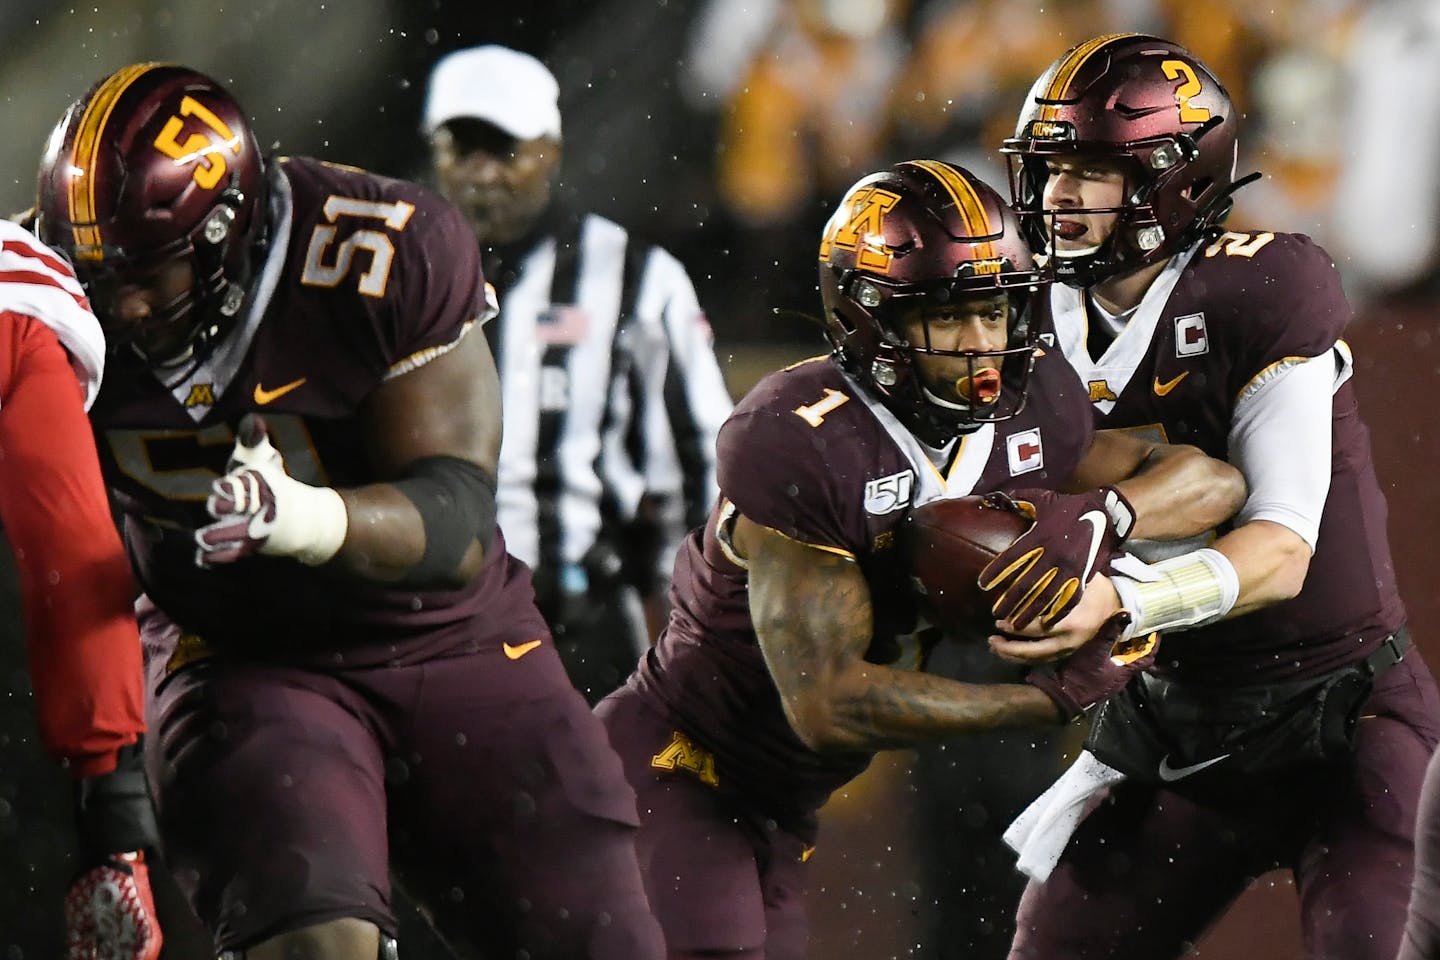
(345, 939)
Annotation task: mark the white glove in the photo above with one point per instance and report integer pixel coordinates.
(259, 508)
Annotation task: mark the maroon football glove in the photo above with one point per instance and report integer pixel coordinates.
(110, 912)
(1100, 668)
(242, 501)
(1044, 572)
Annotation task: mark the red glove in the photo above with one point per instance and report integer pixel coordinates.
(1044, 572)
(110, 912)
(1100, 668)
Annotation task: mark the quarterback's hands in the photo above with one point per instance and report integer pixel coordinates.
(1043, 574)
(1034, 644)
(110, 912)
(1100, 668)
(259, 508)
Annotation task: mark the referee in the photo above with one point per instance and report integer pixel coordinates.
(611, 391)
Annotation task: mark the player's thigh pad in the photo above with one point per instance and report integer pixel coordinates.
(271, 798)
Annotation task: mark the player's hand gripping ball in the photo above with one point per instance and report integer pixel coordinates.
(947, 543)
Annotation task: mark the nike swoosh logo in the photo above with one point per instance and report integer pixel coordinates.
(1163, 388)
(516, 652)
(1170, 774)
(1098, 523)
(263, 396)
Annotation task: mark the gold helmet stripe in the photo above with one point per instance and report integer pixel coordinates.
(1069, 66)
(972, 210)
(85, 158)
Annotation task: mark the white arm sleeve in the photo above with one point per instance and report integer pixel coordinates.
(1280, 437)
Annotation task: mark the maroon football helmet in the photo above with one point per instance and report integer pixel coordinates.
(1151, 105)
(154, 164)
(925, 233)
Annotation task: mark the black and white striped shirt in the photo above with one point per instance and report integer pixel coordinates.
(611, 393)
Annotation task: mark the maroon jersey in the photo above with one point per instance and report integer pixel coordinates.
(365, 278)
(1218, 318)
(807, 453)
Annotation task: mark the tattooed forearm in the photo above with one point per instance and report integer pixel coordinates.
(813, 617)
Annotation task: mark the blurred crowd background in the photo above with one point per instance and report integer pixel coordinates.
(727, 129)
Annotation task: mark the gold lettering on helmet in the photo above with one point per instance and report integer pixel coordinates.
(985, 268)
(1041, 129)
(204, 148)
(1100, 390)
(859, 225)
(1174, 70)
(201, 395)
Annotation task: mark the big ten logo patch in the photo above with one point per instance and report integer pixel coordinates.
(685, 754)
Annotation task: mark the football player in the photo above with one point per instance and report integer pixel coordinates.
(777, 678)
(1288, 721)
(75, 586)
(346, 670)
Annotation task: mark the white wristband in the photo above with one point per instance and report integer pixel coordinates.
(1185, 591)
(320, 524)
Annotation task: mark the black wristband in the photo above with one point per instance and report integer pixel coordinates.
(113, 811)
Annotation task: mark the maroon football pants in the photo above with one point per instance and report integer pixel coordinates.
(1148, 871)
(724, 879)
(287, 795)
(1422, 929)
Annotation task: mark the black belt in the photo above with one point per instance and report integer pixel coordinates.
(1185, 703)
(1390, 652)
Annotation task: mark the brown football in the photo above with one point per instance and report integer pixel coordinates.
(947, 543)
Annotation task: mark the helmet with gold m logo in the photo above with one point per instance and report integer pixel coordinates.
(921, 235)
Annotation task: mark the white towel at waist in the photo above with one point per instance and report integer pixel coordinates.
(1042, 830)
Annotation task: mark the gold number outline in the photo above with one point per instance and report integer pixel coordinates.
(373, 281)
(814, 413)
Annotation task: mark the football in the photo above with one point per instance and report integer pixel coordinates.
(947, 543)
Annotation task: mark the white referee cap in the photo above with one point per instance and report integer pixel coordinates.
(510, 89)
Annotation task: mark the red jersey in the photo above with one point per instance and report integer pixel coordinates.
(83, 646)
